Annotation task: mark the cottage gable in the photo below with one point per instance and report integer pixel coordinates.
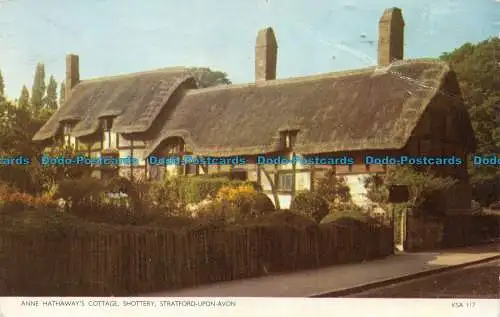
(133, 100)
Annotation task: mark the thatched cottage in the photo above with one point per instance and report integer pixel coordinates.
(398, 107)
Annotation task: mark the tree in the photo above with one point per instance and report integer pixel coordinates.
(51, 98)
(335, 191)
(423, 187)
(2, 85)
(478, 72)
(38, 89)
(62, 94)
(24, 100)
(206, 77)
(17, 127)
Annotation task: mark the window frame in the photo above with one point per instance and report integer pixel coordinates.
(107, 125)
(279, 181)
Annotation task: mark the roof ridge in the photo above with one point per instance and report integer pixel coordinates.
(126, 75)
(320, 76)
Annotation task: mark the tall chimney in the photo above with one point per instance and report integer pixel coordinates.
(266, 54)
(72, 73)
(391, 36)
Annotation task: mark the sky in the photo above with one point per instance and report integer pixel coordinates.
(314, 36)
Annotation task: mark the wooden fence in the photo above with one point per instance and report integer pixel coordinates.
(128, 261)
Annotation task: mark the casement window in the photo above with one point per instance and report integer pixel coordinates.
(285, 181)
(288, 139)
(68, 139)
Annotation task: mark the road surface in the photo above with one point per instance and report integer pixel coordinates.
(478, 281)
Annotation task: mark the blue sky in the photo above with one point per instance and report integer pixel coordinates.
(314, 36)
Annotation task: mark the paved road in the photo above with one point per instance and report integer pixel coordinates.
(479, 281)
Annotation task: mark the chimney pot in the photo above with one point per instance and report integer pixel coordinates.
(391, 37)
(72, 73)
(266, 54)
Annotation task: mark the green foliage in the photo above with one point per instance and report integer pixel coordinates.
(81, 193)
(478, 71)
(218, 213)
(15, 202)
(355, 214)
(206, 77)
(17, 127)
(246, 200)
(262, 204)
(24, 99)
(197, 188)
(422, 186)
(62, 94)
(335, 191)
(38, 89)
(50, 175)
(310, 204)
(286, 218)
(51, 98)
(166, 196)
(2, 85)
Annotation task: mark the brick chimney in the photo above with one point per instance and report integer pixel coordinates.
(391, 37)
(266, 54)
(72, 73)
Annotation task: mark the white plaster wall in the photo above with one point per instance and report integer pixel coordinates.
(285, 200)
(358, 190)
(358, 193)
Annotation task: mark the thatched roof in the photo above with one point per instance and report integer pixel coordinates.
(135, 100)
(357, 110)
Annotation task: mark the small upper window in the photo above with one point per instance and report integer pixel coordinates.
(68, 127)
(107, 124)
(287, 139)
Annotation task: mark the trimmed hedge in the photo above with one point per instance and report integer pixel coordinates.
(285, 218)
(197, 188)
(310, 204)
(355, 214)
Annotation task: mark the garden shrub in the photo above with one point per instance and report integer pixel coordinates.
(249, 202)
(285, 218)
(350, 214)
(335, 191)
(197, 188)
(262, 204)
(166, 197)
(310, 204)
(16, 202)
(166, 221)
(81, 193)
(123, 192)
(43, 220)
(218, 213)
(5, 189)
